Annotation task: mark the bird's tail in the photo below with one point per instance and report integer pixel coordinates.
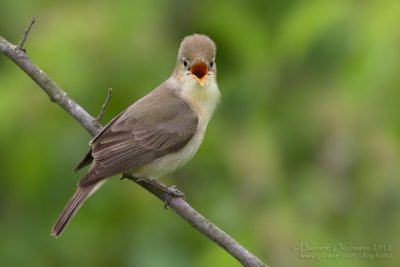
(72, 207)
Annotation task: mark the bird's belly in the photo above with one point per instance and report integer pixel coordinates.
(172, 161)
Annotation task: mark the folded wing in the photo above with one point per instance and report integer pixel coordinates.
(158, 124)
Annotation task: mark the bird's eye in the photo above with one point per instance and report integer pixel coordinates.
(212, 64)
(185, 63)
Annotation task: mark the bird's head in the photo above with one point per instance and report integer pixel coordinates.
(196, 59)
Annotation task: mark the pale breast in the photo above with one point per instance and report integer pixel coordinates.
(203, 101)
(169, 163)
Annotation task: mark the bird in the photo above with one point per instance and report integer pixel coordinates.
(157, 134)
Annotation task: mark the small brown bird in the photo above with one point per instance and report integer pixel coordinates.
(159, 133)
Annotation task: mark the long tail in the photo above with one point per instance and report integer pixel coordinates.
(72, 207)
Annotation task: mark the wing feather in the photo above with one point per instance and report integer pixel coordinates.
(142, 133)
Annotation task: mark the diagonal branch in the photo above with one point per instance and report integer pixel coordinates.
(55, 93)
(180, 206)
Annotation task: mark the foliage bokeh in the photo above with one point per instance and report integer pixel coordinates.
(304, 148)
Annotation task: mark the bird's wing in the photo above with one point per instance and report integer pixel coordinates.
(88, 159)
(147, 130)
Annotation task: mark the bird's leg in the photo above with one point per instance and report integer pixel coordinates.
(130, 177)
(155, 185)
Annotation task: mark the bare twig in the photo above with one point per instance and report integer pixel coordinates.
(27, 30)
(179, 205)
(98, 119)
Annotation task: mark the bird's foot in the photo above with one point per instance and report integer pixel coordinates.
(156, 186)
(172, 191)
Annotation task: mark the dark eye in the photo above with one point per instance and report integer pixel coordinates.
(212, 64)
(185, 63)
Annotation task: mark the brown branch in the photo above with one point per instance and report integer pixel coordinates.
(98, 119)
(179, 205)
(55, 93)
(27, 30)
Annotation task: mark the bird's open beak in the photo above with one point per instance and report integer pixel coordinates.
(200, 71)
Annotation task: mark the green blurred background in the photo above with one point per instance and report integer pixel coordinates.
(303, 151)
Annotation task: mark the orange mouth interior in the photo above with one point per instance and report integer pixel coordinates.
(200, 71)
